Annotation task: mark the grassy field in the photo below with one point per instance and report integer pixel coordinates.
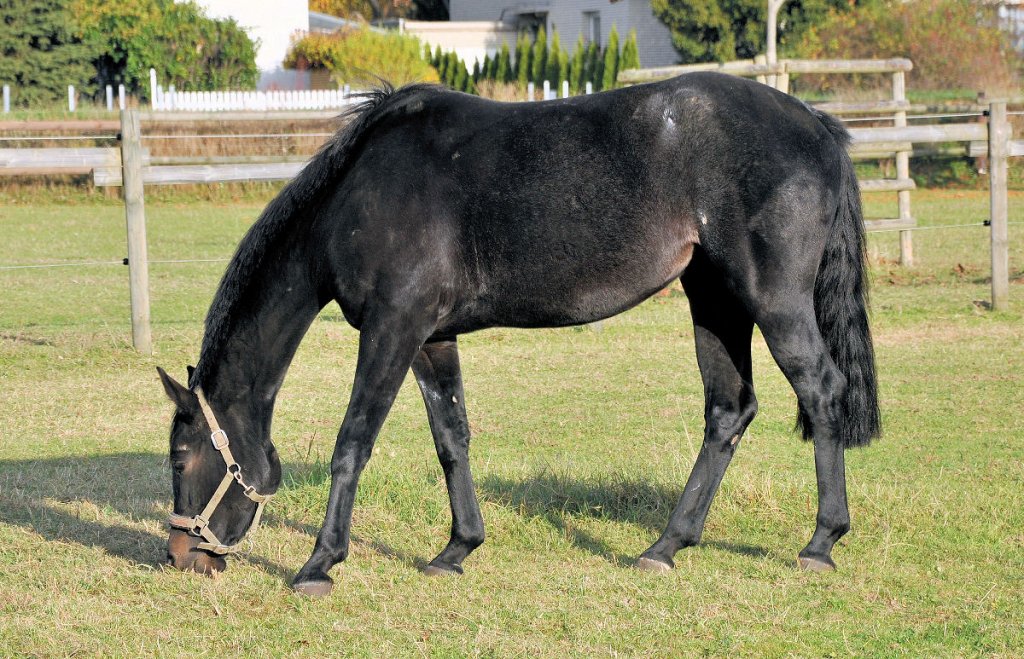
(583, 440)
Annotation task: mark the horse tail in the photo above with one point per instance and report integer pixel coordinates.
(840, 305)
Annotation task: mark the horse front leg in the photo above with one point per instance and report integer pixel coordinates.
(440, 378)
(386, 350)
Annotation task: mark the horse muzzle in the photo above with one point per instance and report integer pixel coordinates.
(184, 554)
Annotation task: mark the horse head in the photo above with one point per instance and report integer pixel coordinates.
(219, 484)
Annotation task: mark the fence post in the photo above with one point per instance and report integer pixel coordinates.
(998, 153)
(135, 218)
(71, 98)
(110, 98)
(529, 91)
(120, 97)
(899, 94)
(7, 99)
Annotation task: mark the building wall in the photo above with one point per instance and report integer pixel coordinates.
(472, 41)
(273, 23)
(653, 37)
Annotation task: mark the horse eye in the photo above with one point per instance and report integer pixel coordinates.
(178, 467)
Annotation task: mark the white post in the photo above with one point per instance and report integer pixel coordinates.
(590, 88)
(773, 17)
(110, 98)
(152, 89)
(565, 89)
(899, 119)
(7, 99)
(547, 90)
(346, 91)
(120, 97)
(170, 98)
(71, 98)
(529, 91)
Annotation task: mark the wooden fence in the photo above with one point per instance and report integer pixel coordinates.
(132, 167)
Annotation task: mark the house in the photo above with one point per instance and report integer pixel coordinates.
(271, 24)
(591, 18)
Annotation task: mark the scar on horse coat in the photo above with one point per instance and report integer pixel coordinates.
(435, 213)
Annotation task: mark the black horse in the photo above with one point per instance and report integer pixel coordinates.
(435, 213)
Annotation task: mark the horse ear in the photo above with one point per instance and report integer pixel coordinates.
(191, 369)
(179, 394)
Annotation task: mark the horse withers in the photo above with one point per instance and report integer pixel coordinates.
(435, 213)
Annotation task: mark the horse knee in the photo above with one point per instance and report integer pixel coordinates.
(727, 420)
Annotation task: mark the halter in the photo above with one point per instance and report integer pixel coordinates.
(199, 525)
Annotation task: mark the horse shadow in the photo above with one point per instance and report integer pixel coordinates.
(72, 500)
(560, 500)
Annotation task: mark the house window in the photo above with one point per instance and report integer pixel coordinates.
(592, 27)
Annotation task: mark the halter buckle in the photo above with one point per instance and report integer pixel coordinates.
(199, 523)
(219, 444)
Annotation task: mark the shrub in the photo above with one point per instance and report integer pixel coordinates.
(951, 42)
(363, 56)
(187, 49)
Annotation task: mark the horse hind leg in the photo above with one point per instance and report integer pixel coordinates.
(722, 332)
(439, 376)
(795, 342)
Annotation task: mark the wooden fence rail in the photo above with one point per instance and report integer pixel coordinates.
(132, 167)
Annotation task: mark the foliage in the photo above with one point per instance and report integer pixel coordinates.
(723, 30)
(187, 49)
(362, 57)
(611, 60)
(546, 59)
(630, 53)
(952, 43)
(42, 52)
(424, 10)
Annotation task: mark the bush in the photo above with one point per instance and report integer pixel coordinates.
(362, 57)
(187, 49)
(42, 51)
(951, 42)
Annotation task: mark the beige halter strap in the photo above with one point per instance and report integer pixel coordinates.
(200, 524)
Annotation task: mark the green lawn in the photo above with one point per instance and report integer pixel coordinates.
(583, 440)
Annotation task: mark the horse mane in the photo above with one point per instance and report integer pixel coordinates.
(282, 213)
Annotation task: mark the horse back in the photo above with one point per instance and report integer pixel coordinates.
(562, 212)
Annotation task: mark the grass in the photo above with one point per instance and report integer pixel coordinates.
(582, 441)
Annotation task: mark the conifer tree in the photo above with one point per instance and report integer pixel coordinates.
(487, 72)
(630, 53)
(594, 63)
(554, 52)
(540, 58)
(523, 60)
(576, 68)
(436, 61)
(563, 68)
(503, 67)
(476, 70)
(611, 61)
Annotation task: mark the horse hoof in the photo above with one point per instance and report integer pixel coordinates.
(815, 564)
(652, 565)
(438, 571)
(313, 588)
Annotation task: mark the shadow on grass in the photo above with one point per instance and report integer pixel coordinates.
(560, 499)
(72, 500)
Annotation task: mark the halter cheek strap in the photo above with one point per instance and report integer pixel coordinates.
(199, 525)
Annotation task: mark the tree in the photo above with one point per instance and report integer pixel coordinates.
(523, 62)
(554, 53)
(187, 48)
(503, 67)
(611, 60)
(42, 52)
(723, 30)
(539, 59)
(576, 69)
(630, 53)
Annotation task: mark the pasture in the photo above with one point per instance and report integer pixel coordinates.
(582, 442)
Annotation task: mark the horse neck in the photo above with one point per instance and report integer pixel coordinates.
(267, 324)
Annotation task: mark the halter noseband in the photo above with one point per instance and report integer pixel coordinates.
(199, 525)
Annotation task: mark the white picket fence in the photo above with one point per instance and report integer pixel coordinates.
(309, 99)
